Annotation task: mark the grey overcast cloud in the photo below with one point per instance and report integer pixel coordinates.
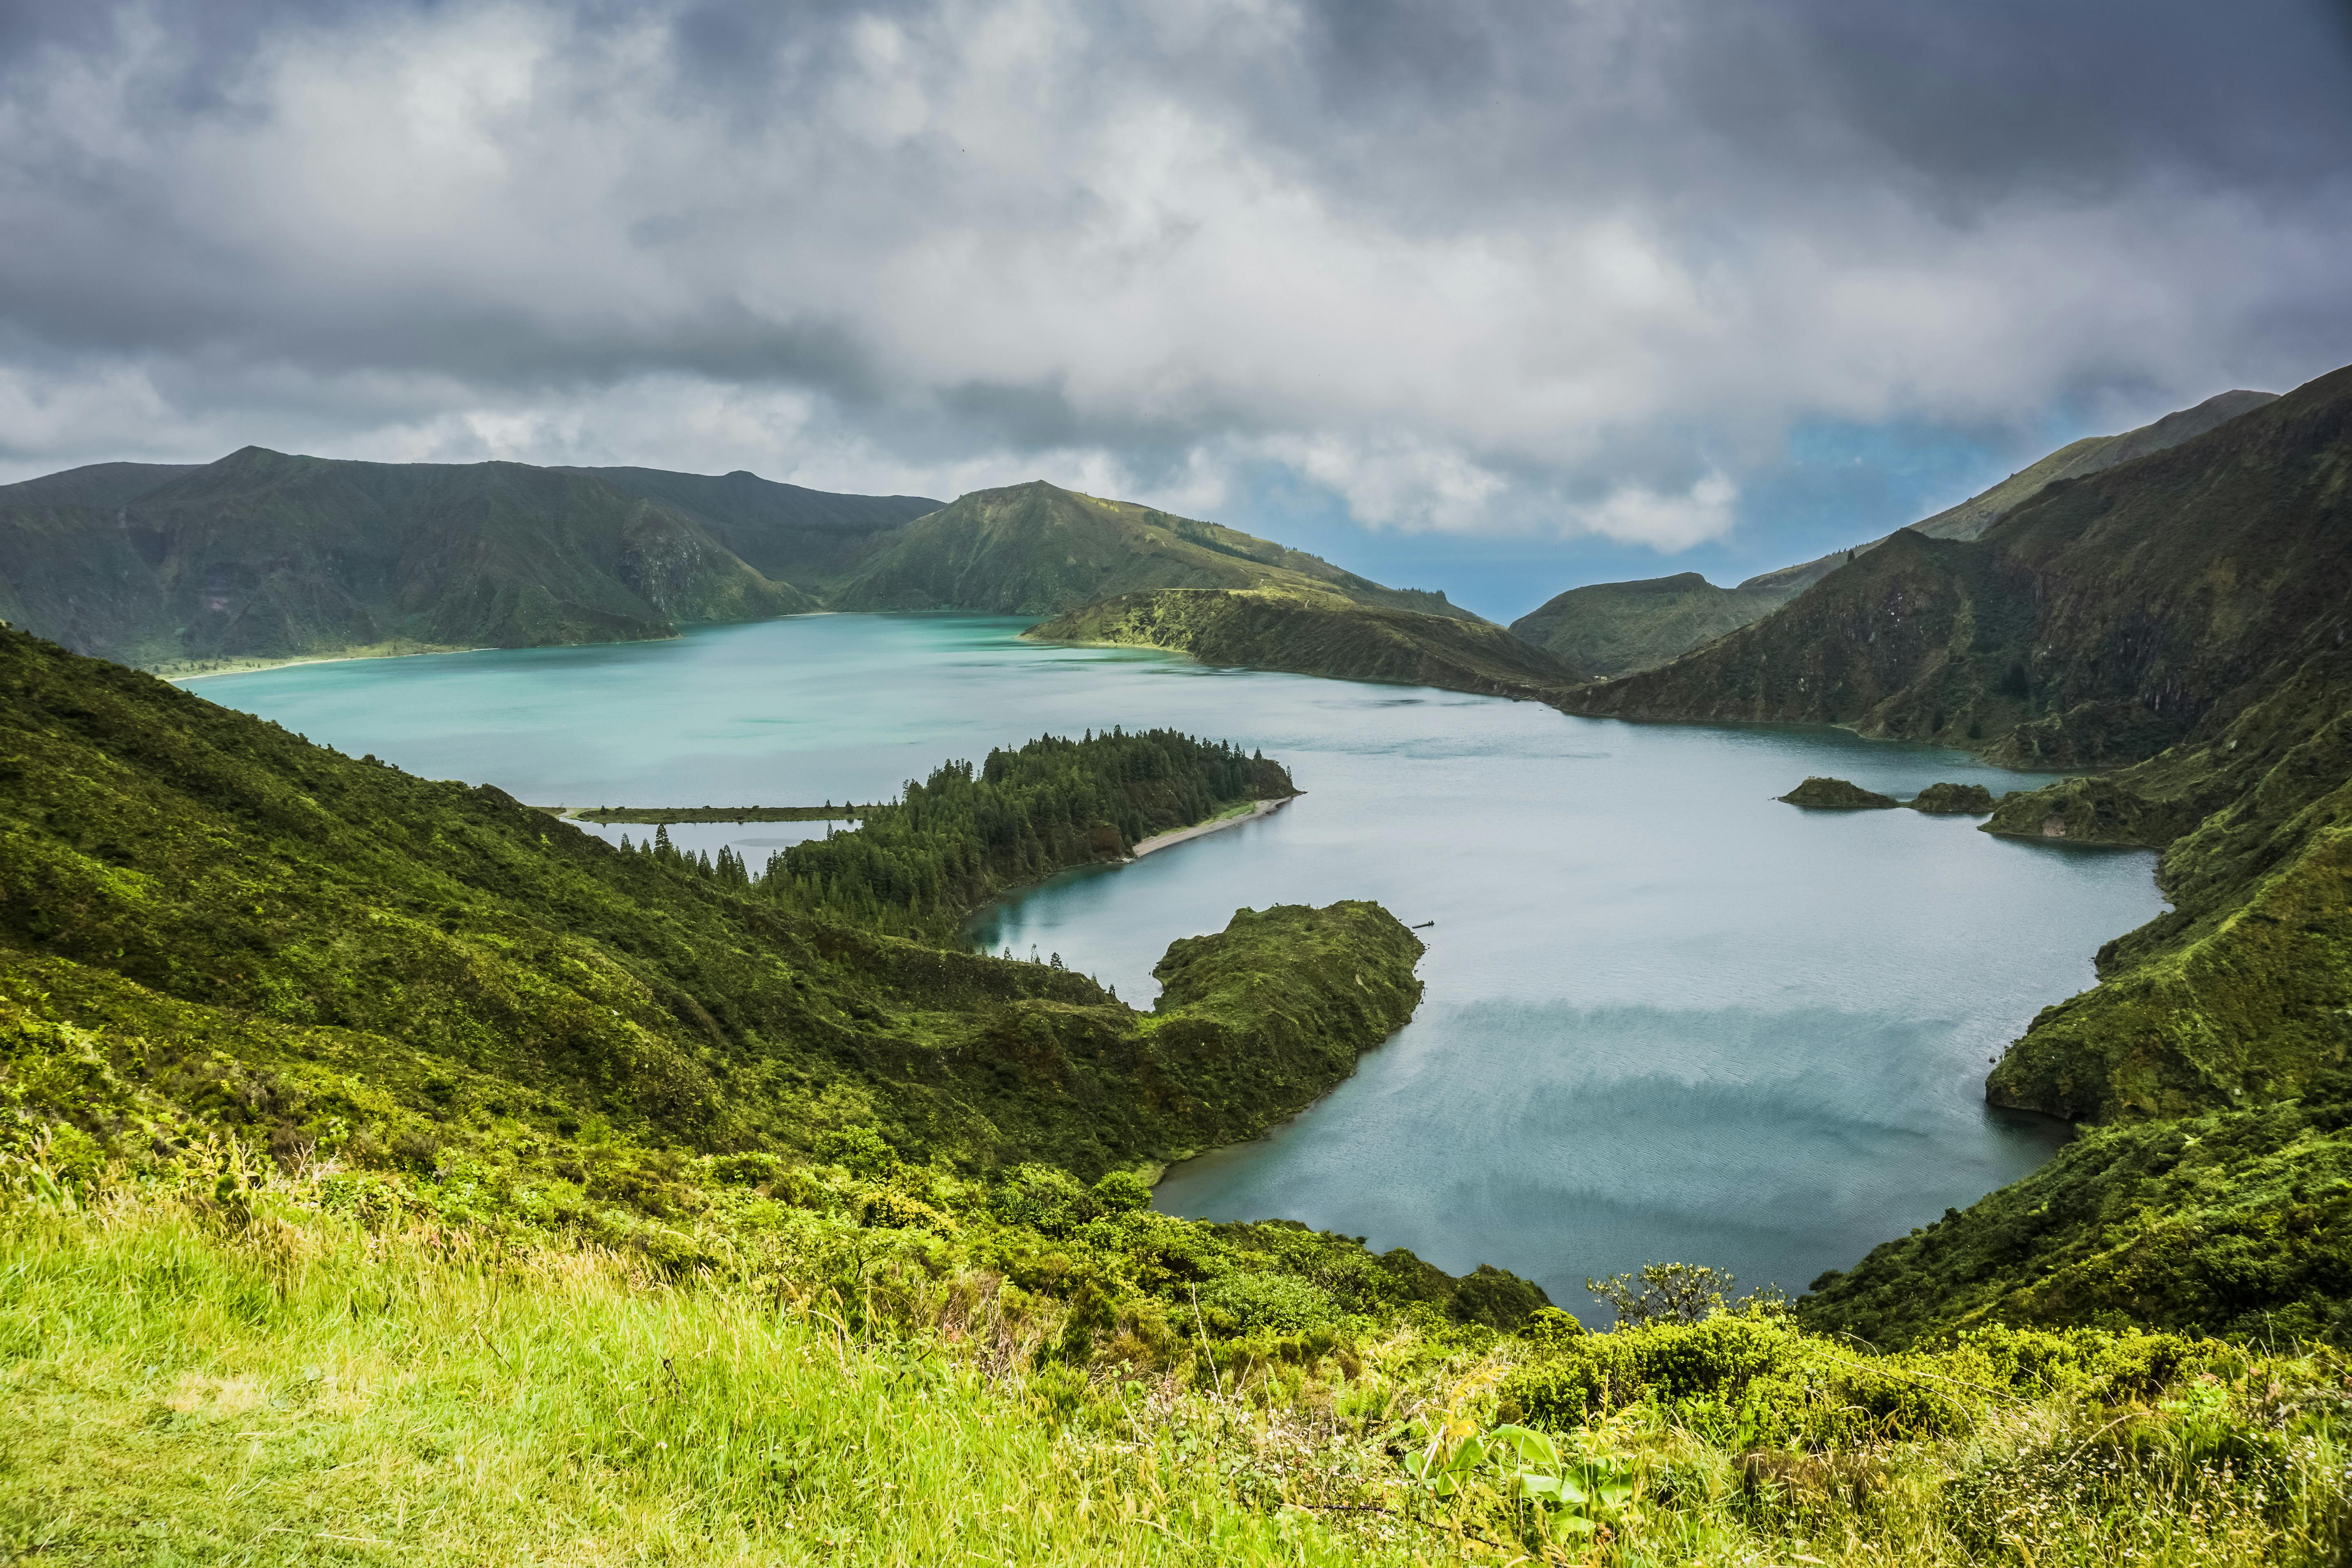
(1599, 288)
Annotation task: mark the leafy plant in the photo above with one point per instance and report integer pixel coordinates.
(1667, 1293)
(1519, 1472)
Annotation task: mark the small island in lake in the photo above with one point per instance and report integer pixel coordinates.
(1953, 800)
(1836, 795)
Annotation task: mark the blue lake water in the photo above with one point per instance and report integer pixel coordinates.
(1667, 1017)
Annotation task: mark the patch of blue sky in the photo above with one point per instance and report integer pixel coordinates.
(1837, 484)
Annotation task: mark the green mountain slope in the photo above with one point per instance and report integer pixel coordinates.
(2186, 612)
(1611, 628)
(178, 869)
(807, 538)
(1038, 550)
(2101, 623)
(2236, 1222)
(262, 555)
(1318, 633)
(1616, 629)
(2240, 992)
(98, 485)
(2091, 455)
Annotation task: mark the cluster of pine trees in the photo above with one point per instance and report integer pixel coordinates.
(965, 834)
(728, 867)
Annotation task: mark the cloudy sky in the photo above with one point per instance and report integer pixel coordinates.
(1492, 296)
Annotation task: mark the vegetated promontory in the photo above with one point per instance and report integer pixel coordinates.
(2183, 619)
(258, 908)
(1315, 632)
(1616, 629)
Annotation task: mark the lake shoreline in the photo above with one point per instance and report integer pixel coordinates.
(1670, 1018)
(1159, 841)
(260, 666)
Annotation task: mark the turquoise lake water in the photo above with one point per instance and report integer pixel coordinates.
(1666, 1016)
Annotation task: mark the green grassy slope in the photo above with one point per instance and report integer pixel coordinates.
(264, 555)
(1036, 549)
(2091, 455)
(807, 538)
(286, 1375)
(1611, 628)
(2236, 1222)
(1318, 634)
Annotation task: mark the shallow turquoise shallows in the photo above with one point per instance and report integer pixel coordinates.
(1667, 1017)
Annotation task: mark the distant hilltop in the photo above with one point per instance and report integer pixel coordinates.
(264, 556)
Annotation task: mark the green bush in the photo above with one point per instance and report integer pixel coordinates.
(1121, 1191)
(861, 1150)
(1748, 1379)
(1548, 1328)
(1241, 1303)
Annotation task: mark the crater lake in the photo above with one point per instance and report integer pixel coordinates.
(1667, 1017)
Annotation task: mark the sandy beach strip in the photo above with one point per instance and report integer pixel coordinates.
(263, 668)
(1162, 840)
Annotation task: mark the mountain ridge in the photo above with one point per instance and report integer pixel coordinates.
(1037, 548)
(263, 556)
(1618, 628)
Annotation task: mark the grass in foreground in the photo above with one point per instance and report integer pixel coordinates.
(189, 1381)
(301, 1394)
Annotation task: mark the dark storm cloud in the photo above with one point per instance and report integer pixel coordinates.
(1467, 265)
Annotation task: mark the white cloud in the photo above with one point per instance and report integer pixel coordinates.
(935, 245)
(1635, 514)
